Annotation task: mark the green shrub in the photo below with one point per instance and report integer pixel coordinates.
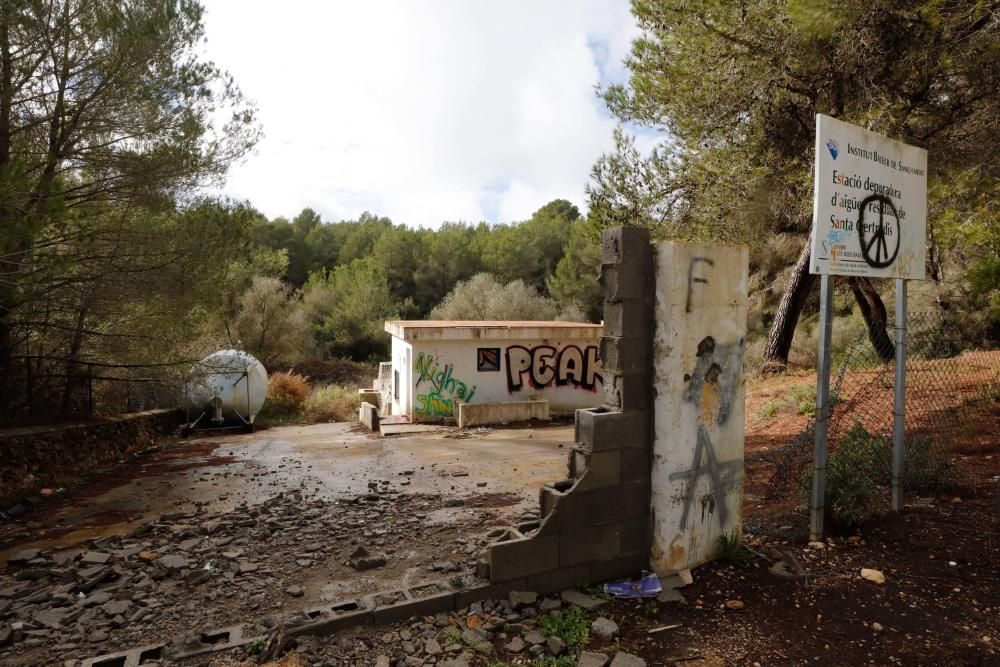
(925, 469)
(571, 626)
(769, 409)
(331, 403)
(862, 461)
(850, 482)
(804, 396)
(732, 551)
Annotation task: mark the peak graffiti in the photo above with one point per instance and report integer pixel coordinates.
(544, 365)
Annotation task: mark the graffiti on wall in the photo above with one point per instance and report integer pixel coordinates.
(443, 388)
(712, 387)
(542, 366)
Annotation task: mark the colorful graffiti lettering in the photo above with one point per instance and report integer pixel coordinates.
(445, 389)
(545, 365)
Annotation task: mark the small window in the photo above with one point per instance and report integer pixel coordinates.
(395, 384)
(488, 359)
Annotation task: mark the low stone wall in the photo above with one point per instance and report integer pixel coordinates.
(509, 412)
(50, 456)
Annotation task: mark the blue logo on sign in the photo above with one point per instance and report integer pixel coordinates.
(834, 147)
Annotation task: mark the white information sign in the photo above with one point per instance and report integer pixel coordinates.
(870, 210)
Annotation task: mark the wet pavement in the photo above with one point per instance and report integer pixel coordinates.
(219, 473)
(242, 528)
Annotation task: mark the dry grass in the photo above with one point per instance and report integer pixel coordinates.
(331, 403)
(287, 392)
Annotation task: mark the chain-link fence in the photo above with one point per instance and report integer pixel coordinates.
(952, 397)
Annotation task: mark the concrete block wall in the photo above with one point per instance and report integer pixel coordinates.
(509, 412)
(596, 525)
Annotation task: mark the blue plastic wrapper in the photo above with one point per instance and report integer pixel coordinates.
(646, 587)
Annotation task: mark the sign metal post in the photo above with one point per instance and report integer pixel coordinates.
(816, 507)
(869, 221)
(899, 399)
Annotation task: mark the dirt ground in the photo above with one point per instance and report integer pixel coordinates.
(294, 503)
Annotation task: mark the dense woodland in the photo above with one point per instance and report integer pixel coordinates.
(112, 266)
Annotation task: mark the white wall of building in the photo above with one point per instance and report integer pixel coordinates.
(437, 371)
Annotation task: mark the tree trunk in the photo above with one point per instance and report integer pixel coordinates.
(779, 340)
(873, 310)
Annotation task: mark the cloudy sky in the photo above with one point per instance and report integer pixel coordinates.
(421, 110)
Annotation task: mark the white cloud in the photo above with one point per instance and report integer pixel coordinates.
(421, 110)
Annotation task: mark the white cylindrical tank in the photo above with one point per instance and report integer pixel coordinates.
(228, 385)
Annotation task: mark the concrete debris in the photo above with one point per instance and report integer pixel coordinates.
(189, 572)
(360, 559)
(604, 628)
(592, 659)
(23, 557)
(670, 595)
(520, 599)
(580, 600)
(95, 557)
(623, 659)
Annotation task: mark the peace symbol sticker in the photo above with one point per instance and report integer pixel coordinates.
(876, 238)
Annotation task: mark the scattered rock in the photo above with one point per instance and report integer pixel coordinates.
(592, 659)
(23, 556)
(95, 557)
(580, 600)
(877, 627)
(604, 628)
(556, 646)
(734, 605)
(872, 575)
(515, 645)
(670, 595)
(173, 562)
(534, 637)
(362, 560)
(623, 659)
(478, 641)
(520, 599)
(196, 577)
(294, 591)
(549, 604)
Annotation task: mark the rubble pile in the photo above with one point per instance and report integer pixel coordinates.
(193, 571)
(504, 631)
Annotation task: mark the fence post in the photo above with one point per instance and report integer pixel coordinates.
(822, 408)
(899, 399)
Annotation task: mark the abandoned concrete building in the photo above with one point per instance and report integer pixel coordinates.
(491, 371)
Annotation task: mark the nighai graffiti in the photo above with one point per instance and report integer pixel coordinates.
(444, 388)
(544, 365)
